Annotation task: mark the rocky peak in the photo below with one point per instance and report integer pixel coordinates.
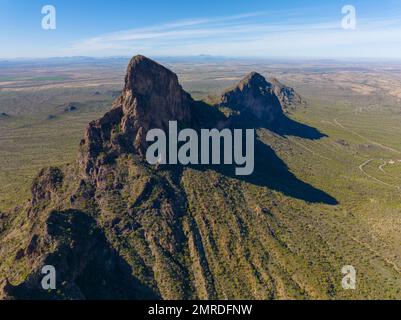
(151, 97)
(253, 80)
(253, 95)
(289, 99)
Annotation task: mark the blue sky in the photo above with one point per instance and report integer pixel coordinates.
(236, 28)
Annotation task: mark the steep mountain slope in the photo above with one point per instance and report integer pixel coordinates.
(114, 226)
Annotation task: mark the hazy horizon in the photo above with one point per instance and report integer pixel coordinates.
(256, 29)
(215, 57)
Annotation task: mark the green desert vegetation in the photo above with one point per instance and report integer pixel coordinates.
(40, 134)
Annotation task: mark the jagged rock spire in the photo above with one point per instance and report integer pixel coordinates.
(150, 99)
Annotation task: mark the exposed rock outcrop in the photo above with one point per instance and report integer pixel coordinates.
(47, 182)
(255, 96)
(151, 98)
(288, 97)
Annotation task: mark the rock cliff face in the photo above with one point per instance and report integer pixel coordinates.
(288, 97)
(151, 97)
(255, 96)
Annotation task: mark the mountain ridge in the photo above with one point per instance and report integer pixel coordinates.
(150, 226)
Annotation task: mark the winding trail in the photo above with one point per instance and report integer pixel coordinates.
(367, 139)
(374, 178)
(385, 172)
(361, 166)
(382, 165)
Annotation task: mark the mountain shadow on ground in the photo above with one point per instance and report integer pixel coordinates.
(286, 126)
(283, 126)
(270, 171)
